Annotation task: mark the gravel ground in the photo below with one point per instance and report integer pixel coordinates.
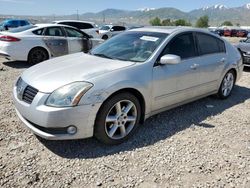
(202, 144)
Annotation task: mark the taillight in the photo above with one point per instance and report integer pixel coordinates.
(9, 38)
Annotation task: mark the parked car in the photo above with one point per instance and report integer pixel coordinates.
(230, 32)
(244, 48)
(88, 27)
(132, 76)
(10, 24)
(242, 33)
(36, 43)
(108, 31)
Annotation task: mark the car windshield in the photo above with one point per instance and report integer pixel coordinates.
(105, 27)
(130, 46)
(21, 29)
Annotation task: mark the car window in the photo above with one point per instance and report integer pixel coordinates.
(105, 27)
(209, 45)
(118, 28)
(85, 26)
(247, 41)
(38, 31)
(182, 45)
(13, 23)
(54, 31)
(23, 23)
(73, 33)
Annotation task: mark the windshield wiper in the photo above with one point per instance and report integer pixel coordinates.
(103, 55)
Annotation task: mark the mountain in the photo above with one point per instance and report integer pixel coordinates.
(217, 14)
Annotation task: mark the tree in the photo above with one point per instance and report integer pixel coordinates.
(167, 22)
(202, 22)
(227, 23)
(155, 22)
(182, 22)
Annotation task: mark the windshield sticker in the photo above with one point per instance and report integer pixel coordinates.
(149, 38)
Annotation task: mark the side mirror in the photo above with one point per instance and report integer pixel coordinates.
(111, 30)
(170, 59)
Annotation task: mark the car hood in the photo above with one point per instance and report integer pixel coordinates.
(55, 73)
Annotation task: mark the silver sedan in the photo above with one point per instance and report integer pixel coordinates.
(118, 85)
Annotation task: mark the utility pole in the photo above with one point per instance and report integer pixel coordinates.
(77, 15)
(104, 19)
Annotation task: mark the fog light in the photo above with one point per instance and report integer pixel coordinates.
(71, 130)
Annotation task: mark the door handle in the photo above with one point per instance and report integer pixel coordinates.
(194, 66)
(222, 61)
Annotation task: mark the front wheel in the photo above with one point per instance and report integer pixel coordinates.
(227, 85)
(117, 119)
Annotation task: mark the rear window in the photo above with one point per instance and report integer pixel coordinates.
(21, 29)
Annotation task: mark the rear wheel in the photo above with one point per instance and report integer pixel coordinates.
(227, 85)
(117, 119)
(37, 55)
(105, 37)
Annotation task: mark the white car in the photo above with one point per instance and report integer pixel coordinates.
(88, 27)
(36, 43)
(108, 31)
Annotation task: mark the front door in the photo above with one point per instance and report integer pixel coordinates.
(173, 84)
(56, 41)
(78, 41)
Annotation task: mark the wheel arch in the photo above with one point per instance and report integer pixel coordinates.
(39, 47)
(134, 92)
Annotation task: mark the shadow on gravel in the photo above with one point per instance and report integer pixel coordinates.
(17, 64)
(155, 129)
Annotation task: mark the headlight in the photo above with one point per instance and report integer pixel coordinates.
(68, 95)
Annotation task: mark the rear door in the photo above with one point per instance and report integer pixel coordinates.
(56, 41)
(213, 58)
(77, 40)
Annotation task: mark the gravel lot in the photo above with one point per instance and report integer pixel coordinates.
(202, 144)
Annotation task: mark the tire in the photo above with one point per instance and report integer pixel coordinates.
(113, 125)
(37, 55)
(227, 85)
(105, 37)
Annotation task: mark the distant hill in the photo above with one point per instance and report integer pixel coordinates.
(217, 14)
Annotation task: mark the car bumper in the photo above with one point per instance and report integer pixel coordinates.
(246, 60)
(5, 55)
(52, 123)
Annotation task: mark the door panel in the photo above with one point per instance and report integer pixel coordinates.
(174, 83)
(58, 46)
(55, 40)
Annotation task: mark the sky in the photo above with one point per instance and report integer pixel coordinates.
(67, 7)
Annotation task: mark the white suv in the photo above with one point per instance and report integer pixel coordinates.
(88, 27)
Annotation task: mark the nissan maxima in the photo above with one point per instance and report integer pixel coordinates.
(112, 90)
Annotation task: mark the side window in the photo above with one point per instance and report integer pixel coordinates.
(38, 31)
(85, 26)
(182, 45)
(13, 23)
(23, 23)
(54, 31)
(73, 33)
(73, 24)
(118, 28)
(209, 44)
(222, 47)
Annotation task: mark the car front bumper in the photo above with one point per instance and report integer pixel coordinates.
(52, 123)
(246, 60)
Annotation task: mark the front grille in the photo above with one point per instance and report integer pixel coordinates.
(29, 94)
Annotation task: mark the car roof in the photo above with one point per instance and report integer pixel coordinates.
(51, 24)
(169, 30)
(79, 21)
